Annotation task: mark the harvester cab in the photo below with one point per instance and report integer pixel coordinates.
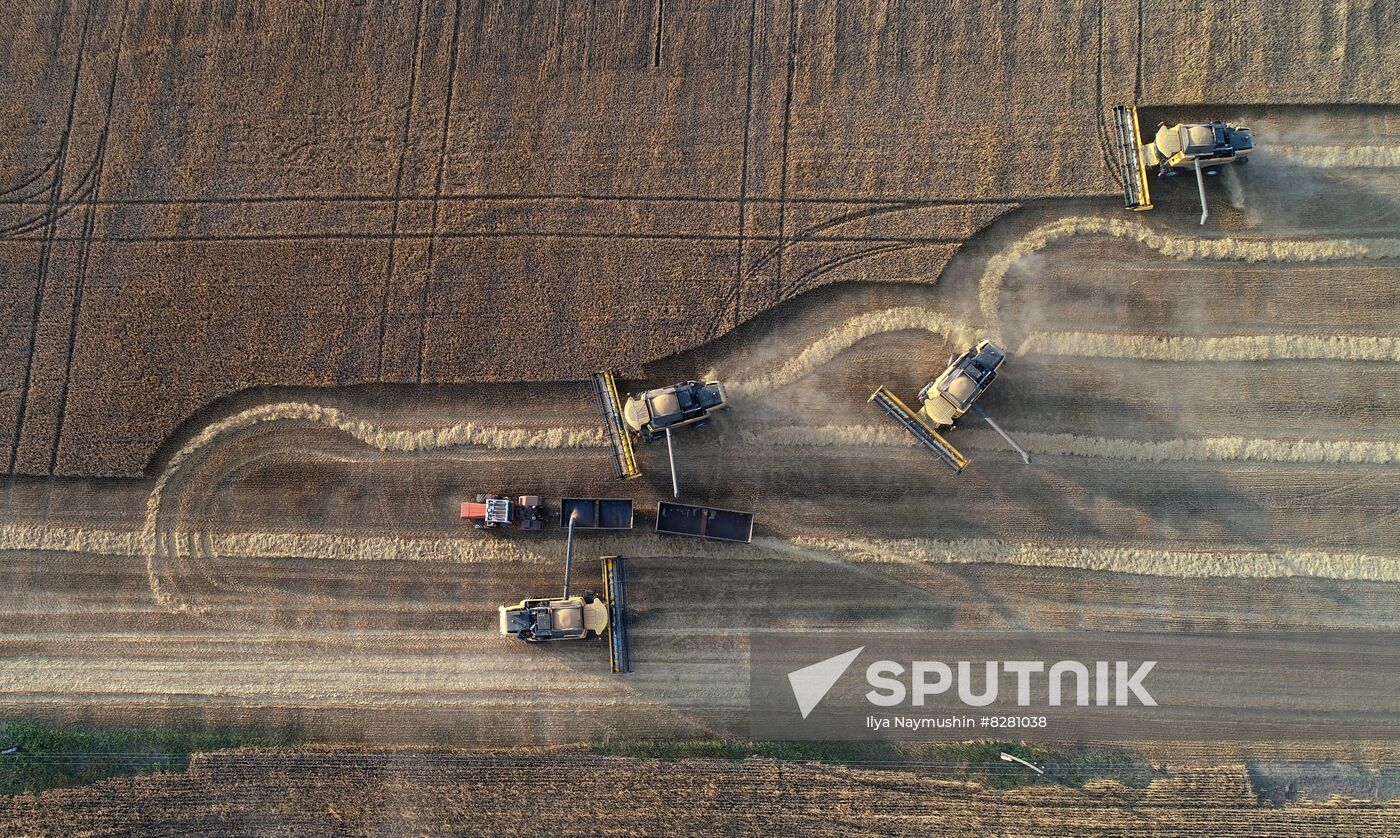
(569, 617)
(1202, 147)
(652, 414)
(944, 400)
(538, 620)
(657, 412)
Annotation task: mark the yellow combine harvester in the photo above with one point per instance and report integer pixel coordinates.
(576, 617)
(945, 399)
(651, 415)
(570, 617)
(1200, 146)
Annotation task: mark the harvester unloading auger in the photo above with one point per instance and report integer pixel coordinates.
(945, 399)
(569, 617)
(1200, 146)
(650, 415)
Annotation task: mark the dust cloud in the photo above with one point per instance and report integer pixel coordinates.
(1340, 157)
(1150, 562)
(1229, 347)
(1208, 449)
(849, 334)
(1184, 248)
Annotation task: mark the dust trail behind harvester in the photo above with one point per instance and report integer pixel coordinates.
(850, 333)
(1208, 449)
(1234, 191)
(1152, 562)
(1227, 347)
(1184, 248)
(1340, 157)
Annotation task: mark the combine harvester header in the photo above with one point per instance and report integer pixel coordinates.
(921, 430)
(624, 458)
(945, 399)
(615, 592)
(1136, 195)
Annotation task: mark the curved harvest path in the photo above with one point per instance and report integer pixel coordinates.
(300, 560)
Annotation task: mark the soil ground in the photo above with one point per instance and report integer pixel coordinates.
(228, 293)
(279, 567)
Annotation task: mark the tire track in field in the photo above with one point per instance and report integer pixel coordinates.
(1182, 248)
(398, 190)
(81, 193)
(1207, 449)
(1135, 560)
(89, 224)
(461, 434)
(10, 193)
(153, 538)
(1339, 157)
(46, 251)
(1084, 344)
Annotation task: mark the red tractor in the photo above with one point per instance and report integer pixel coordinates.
(490, 512)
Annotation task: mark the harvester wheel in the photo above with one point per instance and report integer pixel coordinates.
(1240, 161)
(480, 498)
(588, 597)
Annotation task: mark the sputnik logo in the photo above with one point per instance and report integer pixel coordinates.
(810, 684)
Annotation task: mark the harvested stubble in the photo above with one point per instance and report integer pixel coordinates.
(1178, 247)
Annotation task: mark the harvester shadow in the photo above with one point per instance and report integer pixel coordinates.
(1277, 192)
(691, 620)
(1280, 197)
(1187, 506)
